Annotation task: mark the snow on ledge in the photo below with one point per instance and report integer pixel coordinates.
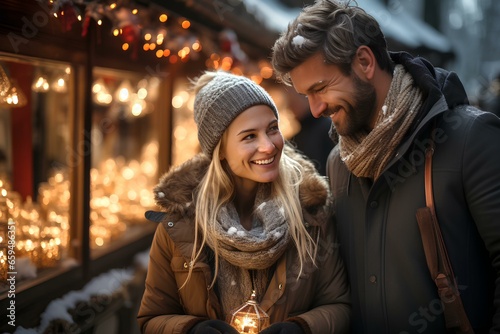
(104, 284)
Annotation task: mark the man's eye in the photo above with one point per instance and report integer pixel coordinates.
(321, 90)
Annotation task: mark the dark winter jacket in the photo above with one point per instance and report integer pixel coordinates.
(392, 291)
(319, 299)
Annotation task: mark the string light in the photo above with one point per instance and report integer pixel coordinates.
(123, 91)
(131, 27)
(173, 59)
(196, 46)
(40, 84)
(163, 18)
(185, 24)
(59, 84)
(14, 97)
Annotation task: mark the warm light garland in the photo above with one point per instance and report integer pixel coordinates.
(153, 29)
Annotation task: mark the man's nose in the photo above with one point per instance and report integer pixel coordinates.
(317, 106)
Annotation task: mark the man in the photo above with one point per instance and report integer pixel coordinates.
(384, 107)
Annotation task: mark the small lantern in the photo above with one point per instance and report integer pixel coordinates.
(249, 317)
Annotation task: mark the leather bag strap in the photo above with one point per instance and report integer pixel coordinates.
(437, 257)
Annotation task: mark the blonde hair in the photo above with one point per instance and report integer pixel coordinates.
(216, 189)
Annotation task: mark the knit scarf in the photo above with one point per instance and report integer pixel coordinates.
(246, 256)
(367, 155)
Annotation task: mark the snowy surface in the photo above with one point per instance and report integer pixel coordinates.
(104, 284)
(25, 268)
(142, 259)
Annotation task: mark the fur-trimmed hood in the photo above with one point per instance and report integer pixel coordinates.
(174, 193)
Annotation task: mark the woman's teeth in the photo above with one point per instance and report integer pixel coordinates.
(264, 162)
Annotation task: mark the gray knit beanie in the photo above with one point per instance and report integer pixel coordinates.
(220, 101)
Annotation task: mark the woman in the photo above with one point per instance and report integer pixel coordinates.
(247, 214)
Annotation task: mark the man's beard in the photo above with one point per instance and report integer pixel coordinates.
(360, 114)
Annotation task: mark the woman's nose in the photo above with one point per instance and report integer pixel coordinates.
(266, 144)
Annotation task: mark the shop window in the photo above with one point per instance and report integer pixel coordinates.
(124, 156)
(36, 108)
(38, 128)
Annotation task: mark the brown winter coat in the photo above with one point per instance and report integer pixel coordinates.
(319, 300)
